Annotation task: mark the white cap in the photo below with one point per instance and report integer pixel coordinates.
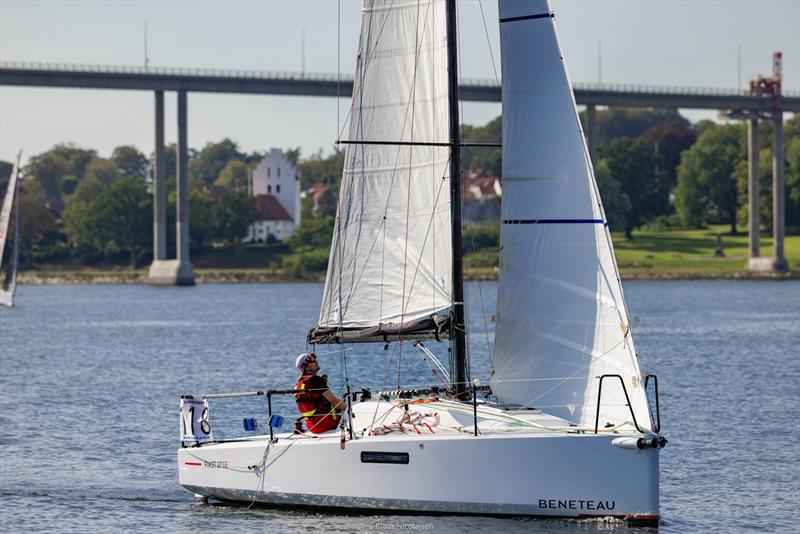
(300, 363)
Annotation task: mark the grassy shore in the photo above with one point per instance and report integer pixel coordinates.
(674, 254)
(688, 254)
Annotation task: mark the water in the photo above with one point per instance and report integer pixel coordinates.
(90, 377)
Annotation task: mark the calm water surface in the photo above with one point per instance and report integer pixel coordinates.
(90, 378)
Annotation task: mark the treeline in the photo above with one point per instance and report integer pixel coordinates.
(80, 207)
(654, 169)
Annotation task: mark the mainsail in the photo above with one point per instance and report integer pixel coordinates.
(561, 317)
(389, 274)
(8, 269)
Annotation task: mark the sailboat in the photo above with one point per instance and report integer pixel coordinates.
(564, 427)
(8, 269)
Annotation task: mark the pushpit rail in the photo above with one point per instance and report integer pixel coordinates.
(268, 394)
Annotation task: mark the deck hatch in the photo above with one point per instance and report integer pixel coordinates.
(370, 457)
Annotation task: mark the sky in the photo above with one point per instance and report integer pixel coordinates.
(700, 43)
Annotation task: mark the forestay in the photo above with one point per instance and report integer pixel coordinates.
(389, 274)
(561, 319)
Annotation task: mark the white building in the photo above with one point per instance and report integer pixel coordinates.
(276, 188)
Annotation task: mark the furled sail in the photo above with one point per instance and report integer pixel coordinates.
(389, 274)
(561, 318)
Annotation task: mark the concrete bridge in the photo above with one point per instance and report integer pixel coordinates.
(752, 105)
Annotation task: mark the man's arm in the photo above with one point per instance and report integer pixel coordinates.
(336, 403)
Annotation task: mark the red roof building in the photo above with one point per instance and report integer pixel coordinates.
(271, 219)
(268, 208)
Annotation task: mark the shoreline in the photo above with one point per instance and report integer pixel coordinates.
(127, 278)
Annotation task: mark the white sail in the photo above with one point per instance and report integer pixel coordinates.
(8, 271)
(390, 261)
(561, 319)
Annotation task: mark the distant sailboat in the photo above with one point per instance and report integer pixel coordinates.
(566, 430)
(8, 268)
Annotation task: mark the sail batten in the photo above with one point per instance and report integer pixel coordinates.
(561, 319)
(389, 272)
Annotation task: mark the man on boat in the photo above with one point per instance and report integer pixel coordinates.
(317, 403)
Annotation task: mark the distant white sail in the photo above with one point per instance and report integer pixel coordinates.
(390, 260)
(561, 318)
(8, 270)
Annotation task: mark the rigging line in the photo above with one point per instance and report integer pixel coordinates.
(483, 307)
(467, 344)
(390, 189)
(472, 236)
(424, 241)
(591, 361)
(488, 42)
(338, 63)
(408, 193)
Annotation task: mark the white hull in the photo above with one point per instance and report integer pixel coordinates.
(499, 473)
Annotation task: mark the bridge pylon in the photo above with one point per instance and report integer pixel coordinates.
(163, 271)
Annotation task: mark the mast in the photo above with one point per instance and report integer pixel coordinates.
(458, 327)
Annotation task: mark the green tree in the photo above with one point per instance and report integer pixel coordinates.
(793, 181)
(76, 217)
(5, 175)
(486, 159)
(313, 233)
(77, 158)
(36, 220)
(202, 223)
(325, 170)
(234, 212)
(669, 140)
(234, 176)
(130, 162)
(616, 123)
(707, 190)
(740, 174)
(632, 163)
(293, 155)
(209, 162)
(49, 170)
(616, 203)
(120, 218)
(104, 170)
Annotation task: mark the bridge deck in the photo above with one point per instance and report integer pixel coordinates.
(315, 84)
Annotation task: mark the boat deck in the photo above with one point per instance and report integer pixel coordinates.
(436, 417)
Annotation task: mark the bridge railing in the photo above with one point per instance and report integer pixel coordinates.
(331, 77)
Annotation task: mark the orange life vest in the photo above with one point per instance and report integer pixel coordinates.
(310, 402)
